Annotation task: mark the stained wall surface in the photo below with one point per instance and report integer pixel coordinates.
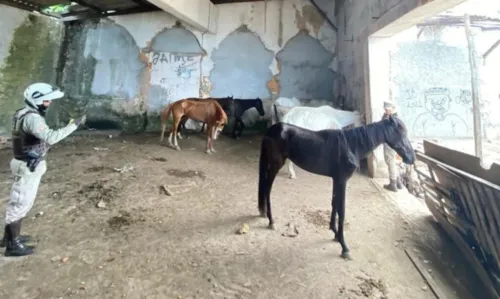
(29, 52)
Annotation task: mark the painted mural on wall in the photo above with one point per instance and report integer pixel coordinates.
(177, 74)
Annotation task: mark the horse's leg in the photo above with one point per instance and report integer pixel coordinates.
(333, 224)
(209, 139)
(212, 143)
(276, 162)
(234, 127)
(174, 129)
(163, 128)
(202, 127)
(340, 188)
(182, 124)
(291, 172)
(242, 126)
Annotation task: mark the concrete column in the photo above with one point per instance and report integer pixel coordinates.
(201, 14)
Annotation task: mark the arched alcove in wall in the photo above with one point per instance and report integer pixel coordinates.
(118, 65)
(305, 72)
(176, 67)
(241, 66)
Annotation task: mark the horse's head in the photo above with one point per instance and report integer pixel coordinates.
(397, 138)
(259, 106)
(220, 122)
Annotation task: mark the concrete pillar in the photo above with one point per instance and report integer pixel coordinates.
(201, 14)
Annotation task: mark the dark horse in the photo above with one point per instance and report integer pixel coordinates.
(331, 153)
(236, 108)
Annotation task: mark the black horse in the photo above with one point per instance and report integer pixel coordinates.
(236, 108)
(331, 153)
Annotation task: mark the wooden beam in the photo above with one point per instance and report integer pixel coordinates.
(425, 275)
(476, 108)
(85, 4)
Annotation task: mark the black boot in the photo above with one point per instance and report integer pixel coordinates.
(391, 186)
(5, 239)
(399, 183)
(14, 245)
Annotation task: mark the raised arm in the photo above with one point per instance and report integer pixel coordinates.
(36, 125)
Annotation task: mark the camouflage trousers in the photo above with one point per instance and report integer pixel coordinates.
(390, 160)
(24, 190)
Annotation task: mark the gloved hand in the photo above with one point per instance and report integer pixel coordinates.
(81, 120)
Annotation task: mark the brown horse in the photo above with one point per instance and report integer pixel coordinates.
(206, 110)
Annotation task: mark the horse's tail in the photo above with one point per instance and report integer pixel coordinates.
(263, 174)
(165, 114)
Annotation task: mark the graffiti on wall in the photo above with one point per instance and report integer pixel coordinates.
(465, 97)
(437, 118)
(411, 100)
(178, 74)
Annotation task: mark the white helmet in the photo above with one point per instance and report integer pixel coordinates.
(36, 93)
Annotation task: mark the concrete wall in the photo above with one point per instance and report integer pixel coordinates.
(282, 47)
(29, 52)
(431, 81)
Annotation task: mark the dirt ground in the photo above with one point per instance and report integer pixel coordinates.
(104, 229)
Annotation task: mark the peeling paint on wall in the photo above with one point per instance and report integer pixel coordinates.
(206, 87)
(241, 66)
(312, 16)
(273, 85)
(304, 69)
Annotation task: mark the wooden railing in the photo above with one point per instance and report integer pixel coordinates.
(465, 200)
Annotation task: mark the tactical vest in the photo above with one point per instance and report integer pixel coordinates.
(22, 142)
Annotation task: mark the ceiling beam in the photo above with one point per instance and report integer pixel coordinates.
(85, 4)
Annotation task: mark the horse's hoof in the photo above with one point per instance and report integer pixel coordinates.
(208, 152)
(213, 151)
(346, 256)
(177, 148)
(272, 226)
(292, 177)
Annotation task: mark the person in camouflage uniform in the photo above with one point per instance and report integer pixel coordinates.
(31, 140)
(390, 155)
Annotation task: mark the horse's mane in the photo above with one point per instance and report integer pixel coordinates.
(366, 137)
